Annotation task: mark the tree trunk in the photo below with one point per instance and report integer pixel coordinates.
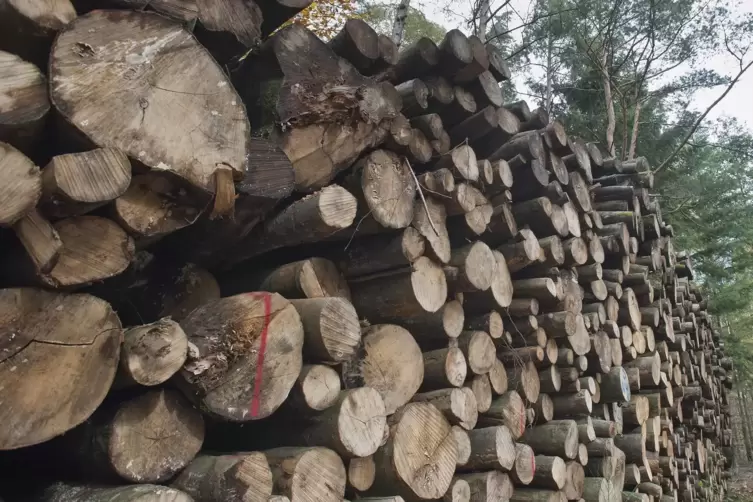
(266, 355)
(61, 492)
(217, 478)
(59, 403)
(606, 82)
(398, 25)
(391, 363)
(634, 132)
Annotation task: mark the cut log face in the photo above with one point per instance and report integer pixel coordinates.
(316, 389)
(148, 439)
(443, 368)
(176, 111)
(77, 183)
(307, 474)
(491, 448)
(391, 364)
(40, 240)
(457, 405)
(152, 353)
(22, 185)
(479, 351)
(131, 493)
(73, 337)
(23, 114)
(488, 486)
(94, 249)
(330, 327)
(361, 473)
(420, 456)
(223, 373)
(153, 206)
(217, 478)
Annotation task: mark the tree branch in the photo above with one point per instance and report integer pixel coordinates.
(700, 119)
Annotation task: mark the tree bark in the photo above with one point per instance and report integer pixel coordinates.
(398, 24)
(216, 478)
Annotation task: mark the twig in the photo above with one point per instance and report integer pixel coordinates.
(421, 194)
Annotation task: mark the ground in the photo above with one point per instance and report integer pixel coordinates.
(741, 484)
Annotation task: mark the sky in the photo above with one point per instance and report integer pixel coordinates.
(738, 103)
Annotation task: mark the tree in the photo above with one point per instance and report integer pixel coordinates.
(380, 15)
(326, 17)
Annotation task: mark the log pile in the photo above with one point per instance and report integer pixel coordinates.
(328, 271)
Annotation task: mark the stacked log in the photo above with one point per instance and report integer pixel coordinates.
(410, 290)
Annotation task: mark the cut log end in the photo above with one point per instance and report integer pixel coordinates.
(153, 353)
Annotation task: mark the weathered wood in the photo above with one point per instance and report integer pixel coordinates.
(228, 329)
(60, 492)
(27, 105)
(358, 43)
(128, 440)
(361, 473)
(551, 472)
(415, 61)
(40, 240)
(491, 448)
(391, 363)
(556, 438)
(311, 278)
(316, 389)
(458, 405)
(478, 348)
(28, 27)
(22, 185)
(497, 64)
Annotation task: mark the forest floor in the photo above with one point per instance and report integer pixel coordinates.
(741, 484)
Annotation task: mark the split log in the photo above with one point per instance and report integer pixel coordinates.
(417, 428)
(316, 389)
(27, 105)
(22, 185)
(353, 426)
(299, 471)
(135, 127)
(256, 382)
(391, 363)
(129, 441)
(79, 338)
(152, 353)
(216, 478)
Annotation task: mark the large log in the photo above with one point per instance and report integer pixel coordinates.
(60, 341)
(27, 104)
(147, 439)
(418, 430)
(159, 91)
(217, 478)
(242, 369)
(391, 363)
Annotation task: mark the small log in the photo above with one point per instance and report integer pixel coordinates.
(461, 162)
(488, 486)
(463, 106)
(485, 90)
(27, 104)
(520, 109)
(499, 295)
(443, 368)
(415, 61)
(550, 473)
(544, 409)
(387, 346)
(525, 379)
(440, 92)
(471, 268)
(361, 473)
(520, 254)
(455, 53)
(569, 405)
(229, 329)
(491, 323)
(497, 64)
(508, 410)
(40, 240)
(478, 64)
(379, 253)
(556, 438)
(330, 327)
(481, 387)
(127, 440)
(311, 278)
(498, 378)
(430, 125)
(458, 405)
(529, 144)
(358, 43)
(523, 469)
(478, 348)
(353, 426)
(316, 389)
(152, 353)
(534, 495)
(429, 218)
(491, 448)
(417, 428)
(298, 470)
(475, 127)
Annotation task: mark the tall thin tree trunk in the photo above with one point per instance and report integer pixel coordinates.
(606, 81)
(745, 422)
(483, 19)
(634, 134)
(549, 70)
(398, 27)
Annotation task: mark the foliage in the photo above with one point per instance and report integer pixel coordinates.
(326, 17)
(380, 16)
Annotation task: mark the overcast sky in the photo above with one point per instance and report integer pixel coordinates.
(738, 103)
